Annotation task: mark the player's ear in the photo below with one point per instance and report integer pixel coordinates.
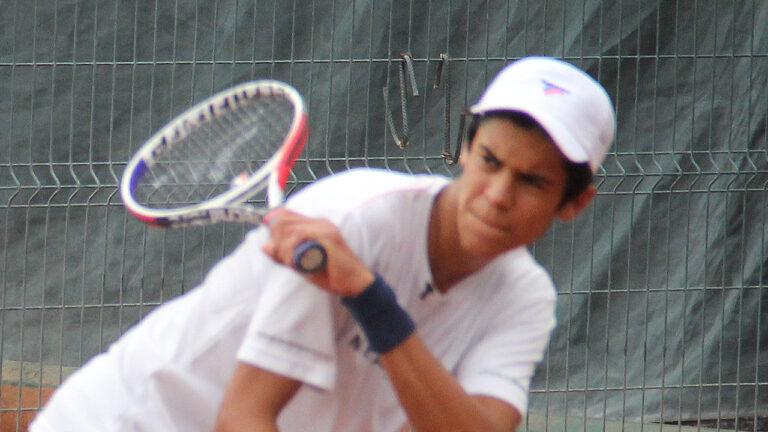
(572, 208)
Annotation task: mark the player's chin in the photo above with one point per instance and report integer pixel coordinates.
(486, 241)
(488, 248)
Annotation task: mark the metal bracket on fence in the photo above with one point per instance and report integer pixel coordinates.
(453, 158)
(443, 65)
(406, 67)
(443, 75)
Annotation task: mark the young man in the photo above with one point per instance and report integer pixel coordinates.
(430, 315)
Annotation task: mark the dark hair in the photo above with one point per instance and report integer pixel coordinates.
(578, 175)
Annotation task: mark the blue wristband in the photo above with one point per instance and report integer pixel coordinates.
(381, 318)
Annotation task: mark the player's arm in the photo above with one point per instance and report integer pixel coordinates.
(253, 400)
(430, 395)
(434, 400)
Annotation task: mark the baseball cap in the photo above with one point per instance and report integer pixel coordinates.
(570, 105)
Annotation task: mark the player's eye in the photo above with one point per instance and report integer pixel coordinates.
(490, 159)
(533, 180)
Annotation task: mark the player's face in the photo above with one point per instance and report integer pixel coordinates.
(511, 188)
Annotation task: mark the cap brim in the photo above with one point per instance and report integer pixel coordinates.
(556, 131)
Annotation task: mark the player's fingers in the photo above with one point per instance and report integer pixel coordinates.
(287, 231)
(271, 216)
(344, 274)
(281, 219)
(270, 249)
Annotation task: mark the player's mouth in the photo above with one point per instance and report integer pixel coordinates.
(490, 223)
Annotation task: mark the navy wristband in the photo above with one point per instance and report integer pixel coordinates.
(381, 318)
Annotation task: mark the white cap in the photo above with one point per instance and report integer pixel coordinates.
(571, 106)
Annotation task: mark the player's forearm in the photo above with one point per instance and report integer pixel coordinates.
(253, 400)
(245, 424)
(431, 396)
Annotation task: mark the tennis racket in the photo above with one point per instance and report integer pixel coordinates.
(226, 159)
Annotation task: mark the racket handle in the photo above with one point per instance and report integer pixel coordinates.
(309, 257)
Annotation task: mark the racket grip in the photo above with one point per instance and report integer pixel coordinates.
(309, 257)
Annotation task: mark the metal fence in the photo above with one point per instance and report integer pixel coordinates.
(663, 306)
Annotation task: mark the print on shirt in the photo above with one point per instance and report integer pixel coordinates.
(429, 289)
(352, 336)
(360, 344)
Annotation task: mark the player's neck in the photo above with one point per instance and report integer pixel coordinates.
(448, 260)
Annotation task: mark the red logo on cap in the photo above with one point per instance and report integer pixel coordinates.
(551, 89)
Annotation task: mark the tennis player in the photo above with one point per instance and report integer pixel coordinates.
(431, 314)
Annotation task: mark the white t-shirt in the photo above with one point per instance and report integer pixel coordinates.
(170, 371)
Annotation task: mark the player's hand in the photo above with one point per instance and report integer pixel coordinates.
(344, 275)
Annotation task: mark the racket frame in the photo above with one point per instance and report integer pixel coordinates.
(228, 206)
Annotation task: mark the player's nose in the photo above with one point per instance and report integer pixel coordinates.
(500, 191)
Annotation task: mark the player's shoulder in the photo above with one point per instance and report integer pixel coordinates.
(378, 180)
(357, 187)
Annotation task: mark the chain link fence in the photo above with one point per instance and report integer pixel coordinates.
(663, 306)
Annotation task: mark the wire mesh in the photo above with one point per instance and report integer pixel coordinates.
(662, 282)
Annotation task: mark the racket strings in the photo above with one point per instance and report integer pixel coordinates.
(217, 154)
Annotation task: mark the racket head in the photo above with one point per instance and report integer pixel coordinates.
(203, 165)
